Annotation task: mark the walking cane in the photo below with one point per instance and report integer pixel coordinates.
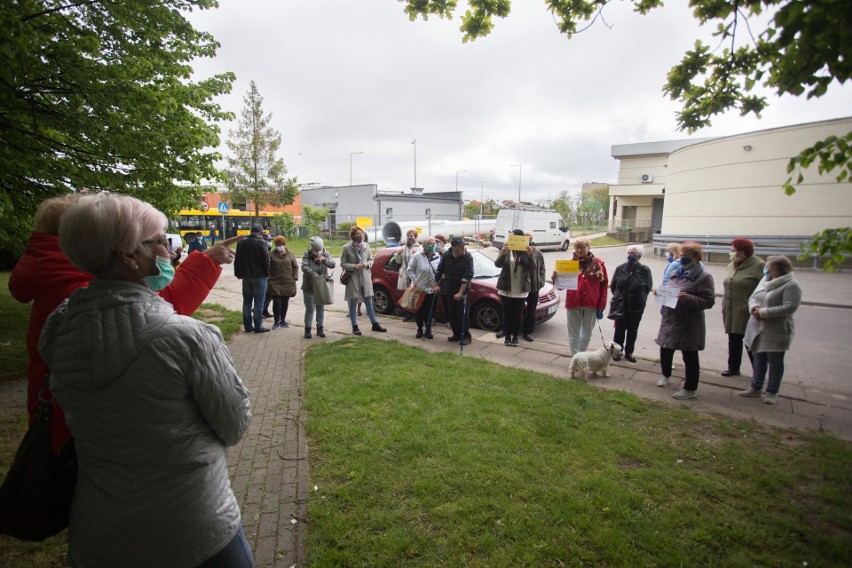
(464, 319)
(431, 312)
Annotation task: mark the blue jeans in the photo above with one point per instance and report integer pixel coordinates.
(774, 361)
(309, 310)
(236, 554)
(353, 310)
(254, 291)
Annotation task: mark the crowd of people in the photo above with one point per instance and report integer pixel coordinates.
(109, 324)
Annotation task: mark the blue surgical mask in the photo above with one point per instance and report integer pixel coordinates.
(766, 273)
(164, 278)
(632, 258)
(685, 261)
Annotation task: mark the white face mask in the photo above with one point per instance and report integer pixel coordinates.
(280, 248)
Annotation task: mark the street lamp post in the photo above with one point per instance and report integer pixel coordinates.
(350, 165)
(519, 180)
(457, 178)
(415, 162)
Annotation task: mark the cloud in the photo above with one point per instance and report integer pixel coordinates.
(342, 77)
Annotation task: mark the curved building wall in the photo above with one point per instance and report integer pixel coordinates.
(733, 186)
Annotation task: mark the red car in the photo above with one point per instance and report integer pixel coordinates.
(486, 308)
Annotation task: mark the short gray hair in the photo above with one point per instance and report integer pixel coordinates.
(99, 225)
(638, 249)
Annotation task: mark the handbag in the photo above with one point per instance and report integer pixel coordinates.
(323, 289)
(616, 306)
(35, 498)
(412, 299)
(345, 277)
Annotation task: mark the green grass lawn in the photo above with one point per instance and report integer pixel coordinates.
(427, 460)
(606, 242)
(14, 317)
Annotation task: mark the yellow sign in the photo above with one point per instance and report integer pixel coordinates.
(364, 221)
(518, 242)
(567, 266)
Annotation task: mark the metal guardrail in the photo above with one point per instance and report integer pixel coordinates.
(764, 245)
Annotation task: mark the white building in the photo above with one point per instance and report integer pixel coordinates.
(729, 186)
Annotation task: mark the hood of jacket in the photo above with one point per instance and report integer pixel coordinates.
(44, 270)
(97, 333)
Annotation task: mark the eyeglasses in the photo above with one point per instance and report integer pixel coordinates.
(162, 240)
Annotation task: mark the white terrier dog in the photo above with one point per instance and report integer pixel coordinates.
(593, 362)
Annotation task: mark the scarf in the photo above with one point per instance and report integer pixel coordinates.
(592, 270)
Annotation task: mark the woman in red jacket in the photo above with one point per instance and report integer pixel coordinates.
(588, 301)
(45, 277)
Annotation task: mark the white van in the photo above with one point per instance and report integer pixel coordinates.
(546, 225)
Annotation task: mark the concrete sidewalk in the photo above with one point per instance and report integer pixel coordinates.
(269, 468)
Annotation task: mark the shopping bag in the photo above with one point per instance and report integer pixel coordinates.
(412, 299)
(323, 290)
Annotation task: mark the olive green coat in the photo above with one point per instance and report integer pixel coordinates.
(739, 283)
(283, 274)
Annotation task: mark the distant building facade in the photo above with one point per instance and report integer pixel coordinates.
(351, 203)
(729, 185)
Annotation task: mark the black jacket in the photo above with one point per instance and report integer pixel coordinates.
(635, 282)
(252, 258)
(452, 272)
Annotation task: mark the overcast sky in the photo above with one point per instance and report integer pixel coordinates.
(343, 76)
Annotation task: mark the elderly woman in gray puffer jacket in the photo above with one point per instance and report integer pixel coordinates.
(682, 328)
(770, 328)
(151, 397)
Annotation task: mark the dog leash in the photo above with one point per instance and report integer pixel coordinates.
(603, 341)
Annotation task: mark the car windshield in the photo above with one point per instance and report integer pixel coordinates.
(483, 267)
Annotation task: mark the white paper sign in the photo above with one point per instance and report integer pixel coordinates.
(667, 296)
(566, 281)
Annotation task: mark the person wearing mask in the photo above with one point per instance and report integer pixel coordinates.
(402, 257)
(422, 272)
(537, 279)
(682, 328)
(633, 282)
(771, 327)
(588, 301)
(357, 261)
(673, 258)
(440, 244)
(192, 244)
(315, 262)
(744, 272)
(453, 277)
(45, 277)
(151, 396)
(283, 275)
(513, 287)
(199, 237)
(251, 265)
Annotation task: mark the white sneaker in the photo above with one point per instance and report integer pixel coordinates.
(750, 392)
(684, 394)
(770, 398)
(663, 382)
